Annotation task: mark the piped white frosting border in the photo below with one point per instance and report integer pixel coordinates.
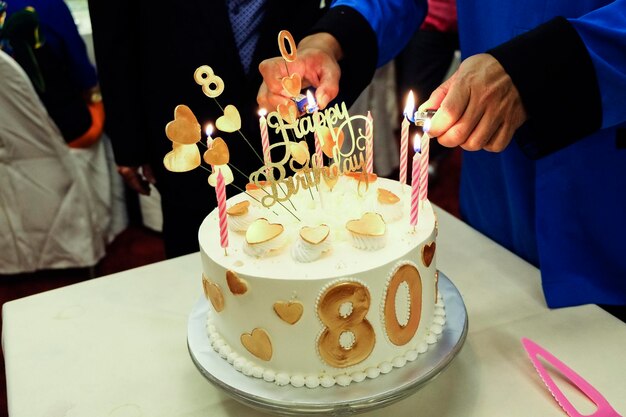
(250, 368)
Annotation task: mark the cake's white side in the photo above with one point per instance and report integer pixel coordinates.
(295, 357)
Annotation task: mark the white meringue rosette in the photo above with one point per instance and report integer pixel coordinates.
(311, 243)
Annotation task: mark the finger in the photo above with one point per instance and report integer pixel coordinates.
(273, 70)
(436, 97)
(481, 135)
(500, 139)
(328, 87)
(453, 108)
(269, 101)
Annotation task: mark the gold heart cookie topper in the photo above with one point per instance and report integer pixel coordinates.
(314, 235)
(239, 209)
(387, 197)
(261, 231)
(370, 224)
(288, 112)
(226, 172)
(292, 84)
(428, 253)
(236, 285)
(230, 121)
(217, 154)
(213, 293)
(182, 158)
(327, 139)
(289, 311)
(299, 151)
(258, 343)
(184, 129)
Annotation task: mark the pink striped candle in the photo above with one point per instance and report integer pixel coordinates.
(265, 142)
(369, 144)
(415, 183)
(423, 169)
(312, 104)
(220, 190)
(404, 136)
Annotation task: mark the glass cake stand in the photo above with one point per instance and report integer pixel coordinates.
(337, 401)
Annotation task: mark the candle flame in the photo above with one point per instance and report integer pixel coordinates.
(208, 129)
(417, 143)
(409, 109)
(310, 99)
(426, 126)
(262, 112)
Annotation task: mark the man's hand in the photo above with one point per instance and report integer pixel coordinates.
(316, 62)
(139, 179)
(478, 107)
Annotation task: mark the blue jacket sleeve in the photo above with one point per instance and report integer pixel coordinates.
(393, 21)
(603, 31)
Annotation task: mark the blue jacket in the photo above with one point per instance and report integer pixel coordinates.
(557, 198)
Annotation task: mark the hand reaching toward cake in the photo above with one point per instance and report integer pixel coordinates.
(479, 107)
(316, 62)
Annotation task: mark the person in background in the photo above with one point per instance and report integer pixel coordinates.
(555, 80)
(426, 60)
(147, 55)
(42, 37)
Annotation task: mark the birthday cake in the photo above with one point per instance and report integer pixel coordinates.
(319, 273)
(347, 291)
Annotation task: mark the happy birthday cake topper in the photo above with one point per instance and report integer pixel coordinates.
(342, 138)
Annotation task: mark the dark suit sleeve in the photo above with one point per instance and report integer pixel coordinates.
(116, 44)
(554, 74)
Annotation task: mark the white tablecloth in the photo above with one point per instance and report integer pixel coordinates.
(116, 346)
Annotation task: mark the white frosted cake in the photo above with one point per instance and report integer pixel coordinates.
(333, 287)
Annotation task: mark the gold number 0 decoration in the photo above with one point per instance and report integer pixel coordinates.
(329, 311)
(285, 35)
(400, 335)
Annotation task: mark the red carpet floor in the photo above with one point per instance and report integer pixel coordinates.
(137, 246)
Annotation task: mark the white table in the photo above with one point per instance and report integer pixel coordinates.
(116, 346)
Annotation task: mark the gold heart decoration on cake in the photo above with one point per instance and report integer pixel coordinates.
(230, 121)
(428, 253)
(370, 224)
(258, 343)
(387, 197)
(289, 311)
(238, 209)
(261, 231)
(315, 235)
(236, 285)
(184, 129)
(182, 158)
(288, 112)
(299, 151)
(213, 293)
(292, 84)
(218, 153)
(226, 172)
(327, 139)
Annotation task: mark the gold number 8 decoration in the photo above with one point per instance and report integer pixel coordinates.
(285, 35)
(329, 311)
(399, 334)
(212, 85)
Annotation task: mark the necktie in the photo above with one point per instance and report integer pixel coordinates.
(245, 18)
